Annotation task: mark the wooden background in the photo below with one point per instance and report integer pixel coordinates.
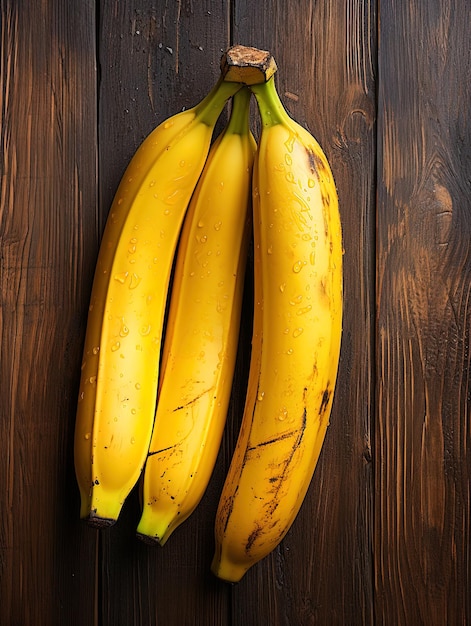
(384, 534)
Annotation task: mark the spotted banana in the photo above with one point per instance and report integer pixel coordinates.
(296, 341)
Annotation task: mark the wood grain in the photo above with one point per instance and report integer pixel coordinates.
(383, 536)
(422, 517)
(47, 221)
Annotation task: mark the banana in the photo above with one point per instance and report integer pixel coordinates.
(119, 377)
(296, 341)
(202, 332)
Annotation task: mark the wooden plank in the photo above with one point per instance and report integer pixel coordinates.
(48, 239)
(321, 573)
(422, 515)
(156, 58)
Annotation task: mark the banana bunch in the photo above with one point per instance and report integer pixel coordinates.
(160, 348)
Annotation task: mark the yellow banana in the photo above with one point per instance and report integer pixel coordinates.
(119, 376)
(202, 332)
(296, 341)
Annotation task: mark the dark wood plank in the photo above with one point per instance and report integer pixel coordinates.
(48, 240)
(321, 573)
(422, 515)
(156, 58)
(383, 535)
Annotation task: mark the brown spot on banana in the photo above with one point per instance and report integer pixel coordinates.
(252, 538)
(193, 400)
(325, 401)
(316, 164)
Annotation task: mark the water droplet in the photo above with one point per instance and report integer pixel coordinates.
(298, 266)
(290, 177)
(217, 226)
(133, 440)
(135, 280)
(282, 287)
(87, 436)
(283, 414)
(304, 309)
(92, 380)
(96, 350)
(168, 124)
(296, 300)
(200, 224)
(270, 250)
(145, 330)
(138, 386)
(289, 143)
(260, 396)
(115, 346)
(173, 196)
(289, 351)
(288, 159)
(311, 183)
(121, 277)
(124, 331)
(182, 163)
(297, 332)
(152, 183)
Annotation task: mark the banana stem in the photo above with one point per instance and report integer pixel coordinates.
(209, 109)
(270, 106)
(239, 120)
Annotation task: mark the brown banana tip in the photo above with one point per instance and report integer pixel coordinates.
(99, 522)
(245, 64)
(150, 541)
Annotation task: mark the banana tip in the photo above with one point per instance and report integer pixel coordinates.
(228, 572)
(96, 521)
(150, 540)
